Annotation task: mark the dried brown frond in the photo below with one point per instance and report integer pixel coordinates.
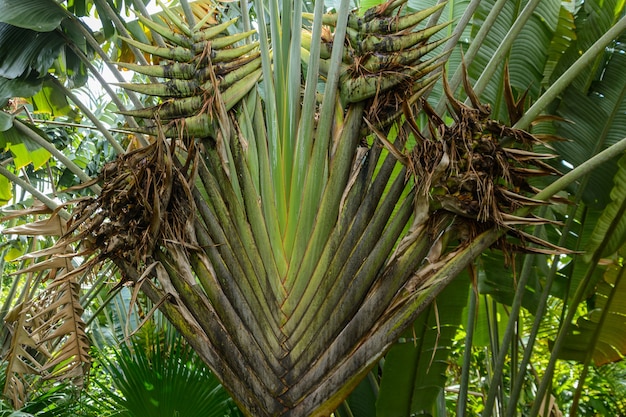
(48, 339)
(34, 210)
(515, 106)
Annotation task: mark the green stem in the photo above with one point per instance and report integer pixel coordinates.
(582, 289)
(539, 314)
(504, 47)
(434, 18)
(191, 20)
(51, 204)
(315, 182)
(94, 119)
(119, 25)
(274, 148)
(78, 126)
(600, 325)
(307, 252)
(243, 6)
(458, 30)
(138, 4)
(94, 71)
(508, 335)
(93, 43)
(305, 134)
(581, 64)
(473, 48)
(582, 170)
(461, 405)
(545, 194)
(103, 306)
(75, 169)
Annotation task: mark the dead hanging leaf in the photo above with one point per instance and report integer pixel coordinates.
(515, 106)
(48, 336)
(52, 250)
(519, 199)
(61, 321)
(525, 155)
(36, 209)
(19, 361)
(51, 263)
(54, 226)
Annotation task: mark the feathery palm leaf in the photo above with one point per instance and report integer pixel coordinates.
(48, 334)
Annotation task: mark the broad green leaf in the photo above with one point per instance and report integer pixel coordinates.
(593, 120)
(609, 313)
(19, 87)
(6, 190)
(36, 53)
(575, 268)
(69, 64)
(415, 367)
(12, 137)
(564, 35)
(606, 223)
(78, 7)
(486, 319)
(527, 57)
(139, 33)
(592, 20)
(362, 401)
(499, 281)
(9, 137)
(24, 157)
(107, 25)
(38, 15)
(365, 4)
(52, 100)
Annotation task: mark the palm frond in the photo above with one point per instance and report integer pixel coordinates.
(48, 337)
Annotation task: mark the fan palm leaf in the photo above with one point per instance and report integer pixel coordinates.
(154, 380)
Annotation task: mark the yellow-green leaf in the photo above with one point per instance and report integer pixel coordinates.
(24, 157)
(6, 190)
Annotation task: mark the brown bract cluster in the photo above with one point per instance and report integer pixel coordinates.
(478, 168)
(145, 202)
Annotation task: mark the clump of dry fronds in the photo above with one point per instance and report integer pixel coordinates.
(145, 200)
(478, 168)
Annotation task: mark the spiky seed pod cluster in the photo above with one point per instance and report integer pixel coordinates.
(467, 169)
(197, 64)
(384, 61)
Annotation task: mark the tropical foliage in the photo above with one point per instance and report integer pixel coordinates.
(294, 184)
(151, 372)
